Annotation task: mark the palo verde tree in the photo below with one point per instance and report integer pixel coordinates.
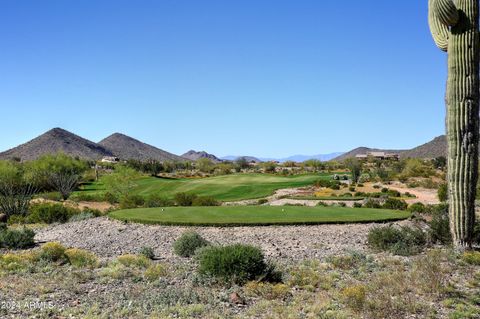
(455, 29)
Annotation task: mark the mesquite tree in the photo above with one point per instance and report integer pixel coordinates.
(454, 27)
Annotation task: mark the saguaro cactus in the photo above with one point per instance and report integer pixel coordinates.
(455, 29)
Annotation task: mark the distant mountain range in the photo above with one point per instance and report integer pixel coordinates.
(303, 158)
(59, 140)
(54, 141)
(435, 148)
(194, 155)
(234, 158)
(125, 147)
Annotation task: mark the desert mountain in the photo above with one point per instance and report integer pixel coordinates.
(248, 158)
(302, 158)
(194, 155)
(125, 148)
(54, 141)
(435, 148)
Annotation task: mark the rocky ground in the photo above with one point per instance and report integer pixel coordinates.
(107, 238)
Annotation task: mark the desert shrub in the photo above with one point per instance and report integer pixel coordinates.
(354, 296)
(154, 272)
(55, 196)
(376, 186)
(351, 188)
(131, 201)
(416, 208)
(346, 195)
(352, 260)
(18, 261)
(50, 213)
(17, 219)
(439, 230)
(442, 193)
(134, 261)
(205, 201)
(429, 273)
(81, 216)
(371, 203)
(266, 290)
(81, 258)
(332, 184)
(322, 204)
(53, 251)
(308, 275)
(409, 195)
(110, 198)
(232, 264)
(402, 241)
(147, 252)
(187, 243)
(393, 203)
(17, 238)
(340, 204)
(471, 257)
(115, 270)
(156, 200)
(84, 197)
(359, 194)
(357, 205)
(184, 199)
(262, 201)
(360, 185)
(384, 190)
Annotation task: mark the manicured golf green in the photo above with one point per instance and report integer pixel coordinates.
(256, 215)
(225, 188)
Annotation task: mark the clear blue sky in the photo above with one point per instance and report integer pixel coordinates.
(261, 77)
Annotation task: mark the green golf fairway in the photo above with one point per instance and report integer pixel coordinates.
(225, 188)
(256, 215)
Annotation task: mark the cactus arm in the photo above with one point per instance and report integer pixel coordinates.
(440, 32)
(446, 12)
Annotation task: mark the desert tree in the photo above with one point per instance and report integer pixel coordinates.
(15, 191)
(355, 168)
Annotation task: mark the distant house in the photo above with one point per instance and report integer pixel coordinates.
(110, 159)
(378, 155)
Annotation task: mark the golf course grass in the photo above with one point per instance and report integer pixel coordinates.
(256, 215)
(224, 188)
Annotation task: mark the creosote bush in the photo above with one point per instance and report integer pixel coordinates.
(156, 200)
(205, 201)
(187, 243)
(50, 213)
(53, 251)
(184, 199)
(393, 203)
(138, 261)
(17, 238)
(402, 241)
(471, 257)
(154, 272)
(81, 258)
(233, 264)
(147, 252)
(439, 231)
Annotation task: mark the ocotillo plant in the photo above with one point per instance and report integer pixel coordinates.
(454, 27)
